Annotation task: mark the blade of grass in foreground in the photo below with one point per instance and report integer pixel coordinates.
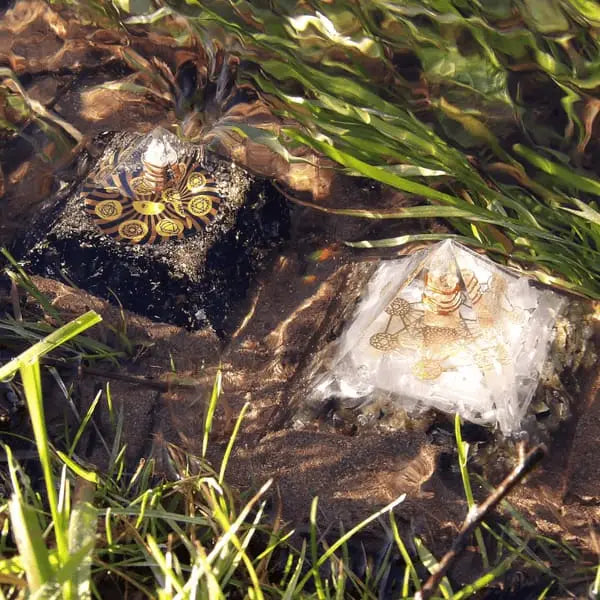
(595, 588)
(28, 364)
(32, 385)
(231, 441)
(432, 565)
(28, 534)
(210, 412)
(463, 449)
(49, 343)
(410, 567)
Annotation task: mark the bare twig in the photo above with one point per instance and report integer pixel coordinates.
(163, 386)
(477, 514)
(172, 381)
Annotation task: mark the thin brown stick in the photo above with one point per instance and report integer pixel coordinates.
(163, 386)
(171, 383)
(477, 514)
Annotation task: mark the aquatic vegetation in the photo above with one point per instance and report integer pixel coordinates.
(486, 112)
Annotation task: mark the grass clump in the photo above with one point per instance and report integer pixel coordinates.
(181, 532)
(98, 534)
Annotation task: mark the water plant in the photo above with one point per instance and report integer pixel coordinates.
(481, 115)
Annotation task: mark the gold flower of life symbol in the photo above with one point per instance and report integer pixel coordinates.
(131, 208)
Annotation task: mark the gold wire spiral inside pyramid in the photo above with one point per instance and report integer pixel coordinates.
(454, 315)
(157, 200)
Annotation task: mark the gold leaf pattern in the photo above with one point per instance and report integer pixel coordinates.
(152, 204)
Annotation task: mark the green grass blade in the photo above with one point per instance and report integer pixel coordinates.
(32, 385)
(314, 551)
(86, 475)
(82, 537)
(563, 175)
(231, 442)
(343, 539)
(167, 573)
(402, 240)
(432, 565)
(20, 277)
(210, 412)
(406, 557)
(50, 342)
(291, 588)
(463, 450)
(485, 580)
(30, 543)
(84, 422)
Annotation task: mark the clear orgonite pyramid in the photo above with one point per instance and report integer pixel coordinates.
(447, 328)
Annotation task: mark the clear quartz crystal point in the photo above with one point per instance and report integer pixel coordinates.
(158, 149)
(446, 328)
(160, 153)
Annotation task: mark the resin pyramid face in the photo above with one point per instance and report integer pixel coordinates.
(447, 328)
(152, 192)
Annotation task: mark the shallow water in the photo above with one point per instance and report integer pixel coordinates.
(279, 283)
